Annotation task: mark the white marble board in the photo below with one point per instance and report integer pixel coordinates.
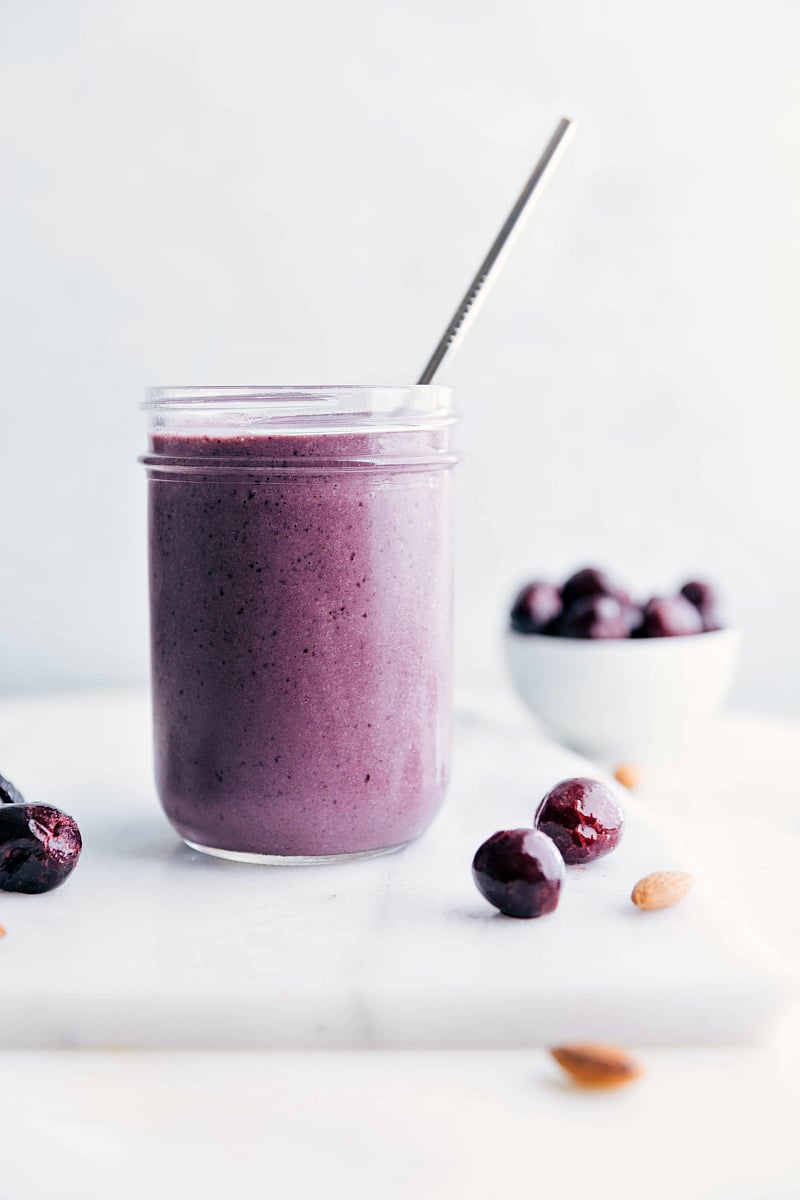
(149, 944)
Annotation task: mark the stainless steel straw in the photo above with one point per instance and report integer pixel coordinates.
(490, 267)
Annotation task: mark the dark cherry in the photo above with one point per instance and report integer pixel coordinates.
(596, 617)
(704, 598)
(39, 846)
(672, 616)
(634, 617)
(8, 793)
(519, 871)
(590, 581)
(537, 604)
(583, 817)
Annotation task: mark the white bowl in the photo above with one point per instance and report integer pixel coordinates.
(616, 700)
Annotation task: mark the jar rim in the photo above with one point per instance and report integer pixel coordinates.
(211, 395)
(334, 408)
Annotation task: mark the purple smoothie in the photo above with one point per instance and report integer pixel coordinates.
(301, 638)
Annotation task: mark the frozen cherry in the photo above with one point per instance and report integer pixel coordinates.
(590, 582)
(39, 846)
(596, 617)
(519, 871)
(704, 598)
(583, 817)
(8, 793)
(634, 617)
(673, 616)
(535, 607)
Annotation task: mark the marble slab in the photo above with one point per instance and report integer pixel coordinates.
(150, 944)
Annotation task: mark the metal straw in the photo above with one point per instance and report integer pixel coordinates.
(490, 267)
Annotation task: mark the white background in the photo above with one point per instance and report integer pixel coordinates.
(263, 192)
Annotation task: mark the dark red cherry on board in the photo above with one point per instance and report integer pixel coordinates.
(583, 817)
(536, 605)
(519, 871)
(39, 847)
(8, 793)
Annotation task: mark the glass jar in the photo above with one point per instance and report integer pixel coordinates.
(301, 616)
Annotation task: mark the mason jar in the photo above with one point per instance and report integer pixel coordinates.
(301, 616)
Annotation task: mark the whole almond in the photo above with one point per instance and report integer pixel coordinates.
(628, 775)
(662, 889)
(596, 1066)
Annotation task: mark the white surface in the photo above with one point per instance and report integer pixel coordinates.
(389, 1125)
(703, 1124)
(204, 192)
(149, 944)
(624, 699)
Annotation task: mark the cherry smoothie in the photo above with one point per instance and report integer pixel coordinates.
(300, 581)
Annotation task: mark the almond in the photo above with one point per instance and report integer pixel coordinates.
(661, 889)
(628, 775)
(595, 1066)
